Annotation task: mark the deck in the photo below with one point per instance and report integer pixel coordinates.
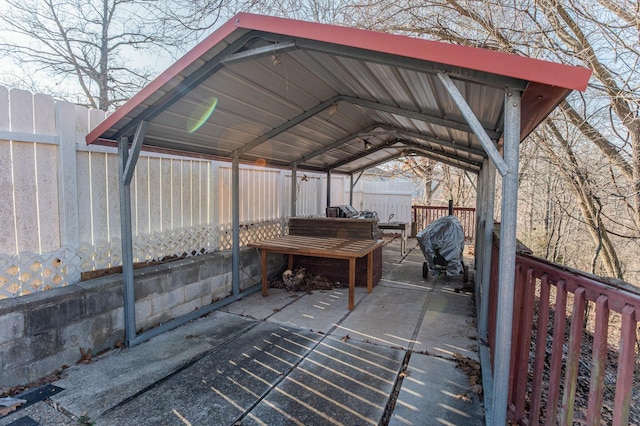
(297, 358)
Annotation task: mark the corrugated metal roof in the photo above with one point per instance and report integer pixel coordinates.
(282, 92)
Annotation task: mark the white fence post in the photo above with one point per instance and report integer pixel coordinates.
(7, 226)
(67, 174)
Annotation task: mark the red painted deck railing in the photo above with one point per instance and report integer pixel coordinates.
(424, 215)
(559, 370)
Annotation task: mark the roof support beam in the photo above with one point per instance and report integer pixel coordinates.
(334, 145)
(473, 121)
(396, 131)
(358, 178)
(355, 101)
(412, 64)
(471, 168)
(411, 144)
(259, 52)
(132, 158)
(417, 115)
(430, 139)
(442, 154)
(285, 126)
(382, 161)
(437, 157)
(363, 154)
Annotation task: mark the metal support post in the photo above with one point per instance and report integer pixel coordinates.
(235, 219)
(480, 218)
(351, 189)
(329, 188)
(507, 259)
(126, 239)
(294, 190)
(487, 244)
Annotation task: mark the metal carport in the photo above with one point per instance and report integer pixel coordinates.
(307, 96)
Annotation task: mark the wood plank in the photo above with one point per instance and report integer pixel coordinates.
(335, 227)
(337, 271)
(335, 248)
(339, 248)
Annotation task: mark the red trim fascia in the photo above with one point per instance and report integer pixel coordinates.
(538, 100)
(534, 70)
(528, 69)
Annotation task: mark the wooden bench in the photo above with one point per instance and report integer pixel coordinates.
(332, 248)
(330, 227)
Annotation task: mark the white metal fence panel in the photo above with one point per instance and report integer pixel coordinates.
(59, 199)
(28, 184)
(385, 198)
(170, 208)
(385, 205)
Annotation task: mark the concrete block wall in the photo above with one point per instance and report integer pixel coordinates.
(44, 331)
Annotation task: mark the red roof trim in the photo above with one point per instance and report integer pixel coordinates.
(533, 70)
(528, 69)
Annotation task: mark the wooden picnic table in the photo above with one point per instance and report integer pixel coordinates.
(333, 248)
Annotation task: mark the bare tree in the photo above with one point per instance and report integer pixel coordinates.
(324, 11)
(94, 49)
(602, 35)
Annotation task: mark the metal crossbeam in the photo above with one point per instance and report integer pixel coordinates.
(365, 104)
(334, 145)
(259, 52)
(136, 146)
(437, 157)
(474, 123)
(394, 130)
(486, 78)
(417, 115)
(442, 154)
(284, 127)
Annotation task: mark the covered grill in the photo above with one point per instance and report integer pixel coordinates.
(442, 243)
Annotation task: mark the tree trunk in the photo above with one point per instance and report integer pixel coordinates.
(588, 203)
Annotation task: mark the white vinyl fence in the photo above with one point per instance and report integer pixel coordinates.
(386, 198)
(59, 200)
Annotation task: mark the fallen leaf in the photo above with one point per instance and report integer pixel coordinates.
(85, 357)
(6, 410)
(463, 396)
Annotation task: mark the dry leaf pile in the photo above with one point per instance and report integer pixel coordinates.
(309, 283)
(471, 368)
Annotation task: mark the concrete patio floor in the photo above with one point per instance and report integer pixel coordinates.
(292, 358)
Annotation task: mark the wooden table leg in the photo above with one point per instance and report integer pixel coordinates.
(370, 272)
(352, 281)
(263, 253)
(290, 262)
